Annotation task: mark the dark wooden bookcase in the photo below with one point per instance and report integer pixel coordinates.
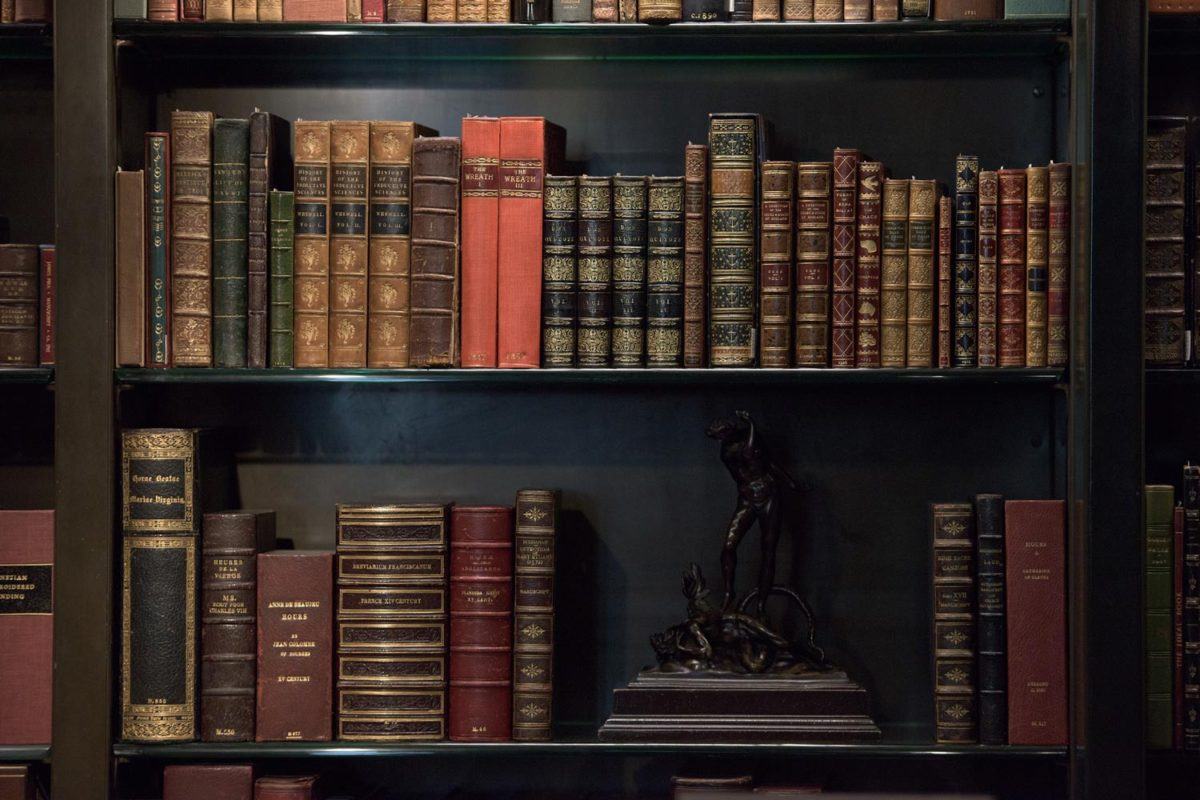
(642, 487)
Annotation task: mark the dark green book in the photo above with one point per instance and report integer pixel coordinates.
(1160, 623)
(158, 249)
(231, 221)
(283, 206)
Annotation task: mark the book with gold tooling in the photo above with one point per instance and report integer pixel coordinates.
(893, 290)
(922, 210)
(533, 609)
(776, 265)
(814, 180)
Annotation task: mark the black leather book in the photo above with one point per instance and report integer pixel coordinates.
(531, 11)
(664, 306)
(593, 339)
(966, 261)
(1191, 608)
(705, 11)
(993, 658)
(560, 207)
(742, 11)
(629, 271)
(270, 168)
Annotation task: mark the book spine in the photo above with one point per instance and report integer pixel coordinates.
(1058, 290)
(440, 11)
(845, 248)
(282, 209)
(1163, 231)
(797, 10)
(765, 11)
(314, 10)
(349, 164)
(158, 249)
(1177, 630)
(914, 9)
(604, 11)
(670, 10)
(1159, 534)
(231, 171)
(814, 213)
(311, 242)
(1191, 608)
(434, 322)
(559, 284)
(193, 10)
(533, 614)
(1036, 264)
(857, 11)
(471, 11)
(218, 10)
(191, 238)
(162, 10)
(893, 290)
(711, 10)
(389, 246)
(629, 300)
(257, 238)
(1035, 576)
(627, 10)
(732, 147)
(828, 10)
(391, 621)
(960, 10)
(776, 269)
(270, 10)
(885, 10)
(131, 270)
(954, 622)
(480, 236)
(245, 10)
(204, 781)
(372, 10)
(160, 521)
(18, 305)
(945, 316)
(664, 333)
(593, 341)
(300, 788)
(993, 660)
(7, 10)
(499, 11)
(405, 10)
(695, 252)
(481, 607)
(47, 302)
(571, 11)
(1011, 299)
(27, 628)
(989, 188)
(295, 647)
(1058, 9)
(966, 260)
(353, 10)
(867, 268)
(922, 213)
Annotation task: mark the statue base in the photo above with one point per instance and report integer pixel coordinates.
(719, 708)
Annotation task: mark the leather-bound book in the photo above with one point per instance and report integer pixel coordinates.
(501, 11)
(561, 212)
(775, 269)
(993, 661)
(695, 253)
(391, 622)
(571, 10)
(1177, 629)
(314, 10)
(893, 282)
(47, 303)
(1037, 242)
(1191, 608)
(208, 782)
(191, 238)
(230, 542)
(1058, 290)
(533, 614)
(192, 10)
(1158, 538)
(231, 176)
(914, 9)
(945, 312)
(706, 11)
(955, 10)
(18, 305)
(1035, 576)
(353, 10)
(481, 607)
(814, 204)
(922, 211)
(593, 337)
(966, 260)
(627, 11)
(440, 11)
(282, 254)
(286, 788)
(270, 10)
(270, 168)
(17, 784)
(733, 165)
(797, 10)
(349, 156)
(989, 196)
(686, 787)
(131, 269)
(605, 11)
(245, 10)
(32, 10)
(672, 10)
(162, 11)
(664, 283)
(629, 271)
(766, 11)
(480, 238)
(954, 623)
(218, 10)
(1174, 6)
(885, 10)
(1163, 231)
(158, 249)
(433, 336)
(405, 10)
(471, 11)
(295, 647)
(1010, 306)
(529, 148)
(845, 248)
(857, 11)
(867, 272)
(311, 242)
(828, 10)
(26, 625)
(373, 11)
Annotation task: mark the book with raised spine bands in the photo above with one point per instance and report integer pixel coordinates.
(314, 10)
(311, 241)
(270, 168)
(845, 248)
(1058, 290)
(922, 213)
(1157, 540)
(741, 11)
(391, 621)
(158, 249)
(26, 627)
(208, 782)
(954, 622)
(222, 10)
(989, 188)
(500, 11)
(47, 303)
(885, 10)
(893, 281)
(1036, 262)
(776, 269)
(405, 10)
(914, 9)
(664, 283)
(765, 11)
(286, 788)
(695, 254)
(193, 10)
(245, 10)
(828, 10)
(1165, 246)
(131, 274)
(867, 267)
(231, 175)
(733, 157)
(353, 10)
(627, 10)
(991, 639)
(857, 11)
(945, 311)
(348, 168)
(814, 214)
(1010, 304)
(434, 321)
(480, 234)
(966, 260)
(561, 211)
(667, 11)
(533, 614)
(282, 211)
(1191, 608)
(156, 11)
(629, 271)
(270, 10)
(797, 10)
(441, 11)
(1177, 631)
(593, 337)
(191, 238)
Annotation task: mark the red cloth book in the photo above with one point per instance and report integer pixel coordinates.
(208, 782)
(26, 625)
(480, 203)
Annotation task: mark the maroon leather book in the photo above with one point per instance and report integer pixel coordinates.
(17, 784)
(1034, 549)
(481, 607)
(275, 788)
(845, 249)
(208, 782)
(867, 266)
(48, 304)
(33, 11)
(26, 625)
(191, 10)
(295, 647)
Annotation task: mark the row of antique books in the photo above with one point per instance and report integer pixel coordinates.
(238, 782)
(27, 305)
(26, 10)
(26, 629)
(430, 621)
(999, 621)
(1171, 537)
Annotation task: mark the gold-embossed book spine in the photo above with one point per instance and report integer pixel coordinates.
(797, 10)
(828, 10)
(775, 271)
(922, 210)
(1037, 243)
(1164, 233)
(989, 196)
(867, 268)
(191, 238)
(560, 210)
(349, 146)
(945, 311)
(732, 146)
(668, 10)
(664, 273)
(954, 623)
(845, 249)
(1058, 291)
(695, 254)
(766, 11)
(966, 261)
(814, 202)
(629, 271)
(893, 289)
(311, 268)
(533, 614)
(594, 334)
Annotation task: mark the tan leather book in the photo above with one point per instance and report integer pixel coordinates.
(695, 254)
(499, 10)
(828, 10)
(814, 247)
(270, 10)
(775, 263)
(922, 211)
(131, 269)
(763, 11)
(797, 10)
(441, 11)
(353, 10)
(311, 269)
(218, 11)
(893, 290)
(472, 11)
(1037, 231)
(627, 10)
(8, 9)
(191, 238)
(886, 10)
(405, 10)
(245, 10)
(857, 11)
(672, 10)
(349, 147)
(433, 337)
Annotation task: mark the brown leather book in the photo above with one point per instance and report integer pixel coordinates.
(955, 715)
(295, 647)
(764, 11)
(857, 11)
(775, 263)
(162, 11)
(886, 10)
(685, 787)
(631, 293)
(26, 626)
(481, 605)
(280, 788)
(349, 147)
(922, 214)
(828, 10)
(270, 168)
(230, 543)
(33, 10)
(471, 11)
(208, 782)
(433, 336)
(845, 248)
(1164, 232)
(604, 11)
(814, 203)
(16, 783)
(989, 216)
(440, 11)
(7, 10)
(533, 614)
(314, 10)
(270, 10)
(893, 282)
(1010, 301)
(559, 271)
(245, 10)
(405, 10)
(866, 278)
(191, 238)
(18, 305)
(218, 11)
(311, 267)
(695, 254)
(499, 11)
(1058, 291)
(391, 621)
(672, 10)
(193, 10)
(131, 269)
(955, 10)
(1037, 243)
(797, 10)
(945, 312)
